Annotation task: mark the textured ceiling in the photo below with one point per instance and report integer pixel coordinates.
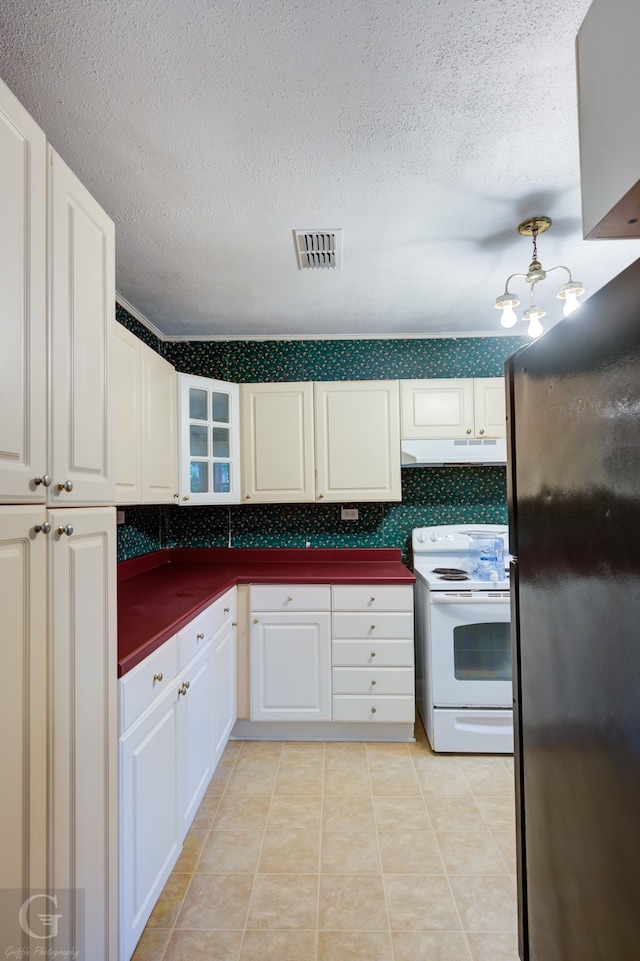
(210, 129)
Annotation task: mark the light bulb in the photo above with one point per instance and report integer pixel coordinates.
(570, 303)
(535, 327)
(509, 317)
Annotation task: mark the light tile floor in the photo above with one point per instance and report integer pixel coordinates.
(306, 851)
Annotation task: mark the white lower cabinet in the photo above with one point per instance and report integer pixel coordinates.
(372, 653)
(342, 653)
(290, 652)
(177, 708)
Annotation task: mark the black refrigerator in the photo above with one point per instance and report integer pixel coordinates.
(573, 414)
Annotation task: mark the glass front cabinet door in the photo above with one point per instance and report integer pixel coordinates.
(209, 441)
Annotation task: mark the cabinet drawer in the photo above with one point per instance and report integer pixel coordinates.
(290, 597)
(374, 709)
(373, 625)
(372, 597)
(373, 654)
(147, 681)
(375, 680)
(195, 635)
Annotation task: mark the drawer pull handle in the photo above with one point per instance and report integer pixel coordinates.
(373, 654)
(200, 637)
(373, 710)
(158, 677)
(373, 683)
(226, 610)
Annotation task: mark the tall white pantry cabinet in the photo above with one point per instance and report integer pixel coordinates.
(58, 741)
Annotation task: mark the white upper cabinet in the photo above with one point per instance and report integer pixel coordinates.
(358, 441)
(82, 309)
(128, 390)
(209, 441)
(277, 443)
(450, 408)
(23, 181)
(608, 83)
(159, 428)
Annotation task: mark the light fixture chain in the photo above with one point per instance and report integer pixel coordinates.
(534, 234)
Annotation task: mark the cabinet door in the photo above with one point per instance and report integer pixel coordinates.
(23, 272)
(159, 416)
(83, 720)
(290, 667)
(490, 407)
(209, 441)
(82, 317)
(195, 734)
(23, 659)
(224, 686)
(433, 409)
(358, 441)
(128, 391)
(150, 815)
(277, 443)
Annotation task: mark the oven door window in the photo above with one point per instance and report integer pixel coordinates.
(482, 652)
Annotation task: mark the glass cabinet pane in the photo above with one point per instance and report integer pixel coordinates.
(482, 652)
(221, 442)
(198, 407)
(198, 441)
(199, 476)
(221, 478)
(220, 407)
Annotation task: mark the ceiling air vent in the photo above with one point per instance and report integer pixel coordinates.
(318, 248)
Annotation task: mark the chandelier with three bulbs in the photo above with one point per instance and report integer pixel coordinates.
(569, 291)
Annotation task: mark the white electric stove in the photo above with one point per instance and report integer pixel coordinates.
(463, 644)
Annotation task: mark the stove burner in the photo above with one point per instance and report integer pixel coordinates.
(453, 577)
(448, 570)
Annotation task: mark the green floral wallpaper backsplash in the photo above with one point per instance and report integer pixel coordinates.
(441, 495)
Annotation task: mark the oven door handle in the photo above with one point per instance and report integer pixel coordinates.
(470, 597)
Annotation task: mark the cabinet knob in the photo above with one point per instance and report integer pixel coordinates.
(187, 685)
(45, 528)
(373, 683)
(373, 710)
(373, 654)
(226, 610)
(320, 496)
(481, 431)
(176, 496)
(45, 480)
(67, 486)
(373, 627)
(468, 430)
(371, 600)
(234, 623)
(68, 530)
(255, 620)
(158, 677)
(289, 599)
(247, 497)
(184, 688)
(186, 497)
(200, 637)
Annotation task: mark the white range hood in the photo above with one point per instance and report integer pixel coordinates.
(461, 453)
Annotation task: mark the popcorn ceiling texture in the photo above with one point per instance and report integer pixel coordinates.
(442, 495)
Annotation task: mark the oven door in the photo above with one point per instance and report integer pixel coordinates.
(470, 648)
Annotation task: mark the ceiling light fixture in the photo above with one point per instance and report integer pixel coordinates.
(569, 292)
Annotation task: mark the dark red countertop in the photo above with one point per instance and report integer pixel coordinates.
(159, 593)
